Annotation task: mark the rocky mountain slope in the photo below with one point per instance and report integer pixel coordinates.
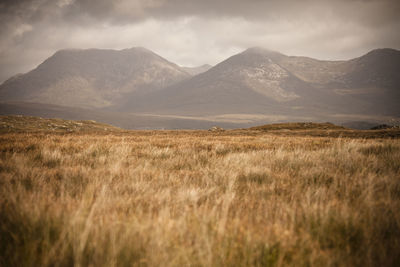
(93, 77)
(138, 88)
(266, 82)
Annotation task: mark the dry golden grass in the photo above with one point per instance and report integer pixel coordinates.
(19, 123)
(199, 199)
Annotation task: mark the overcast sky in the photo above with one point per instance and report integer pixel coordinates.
(194, 32)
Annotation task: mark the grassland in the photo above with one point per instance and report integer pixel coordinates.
(98, 197)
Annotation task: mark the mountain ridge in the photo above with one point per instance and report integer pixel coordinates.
(92, 77)
(255, 81)
(264, 81)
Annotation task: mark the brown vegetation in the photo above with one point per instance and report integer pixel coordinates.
(322, 130)
(298, 126)
(199, 198)
(18, 123)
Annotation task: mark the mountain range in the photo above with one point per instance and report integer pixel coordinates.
(252, 87)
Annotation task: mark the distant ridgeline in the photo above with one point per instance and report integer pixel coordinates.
(136, 88)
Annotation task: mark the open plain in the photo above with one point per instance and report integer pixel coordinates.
(84, 194)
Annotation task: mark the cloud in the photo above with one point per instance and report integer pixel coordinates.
(192, 32)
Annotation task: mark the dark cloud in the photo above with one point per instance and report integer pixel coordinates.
(370, 12)
(194, 32)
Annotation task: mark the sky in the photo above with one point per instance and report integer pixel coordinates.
(194, 32)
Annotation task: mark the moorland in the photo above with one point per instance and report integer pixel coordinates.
(87, 194)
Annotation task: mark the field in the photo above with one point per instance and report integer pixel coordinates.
(100, 196)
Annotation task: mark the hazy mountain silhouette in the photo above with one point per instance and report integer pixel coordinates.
(257, 83)
(267, 82)
(92, 77)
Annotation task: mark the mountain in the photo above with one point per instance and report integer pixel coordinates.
(135, 88)
(369, 84)
(93, 77)
(197, 70)
(260, 81)
(237, 85)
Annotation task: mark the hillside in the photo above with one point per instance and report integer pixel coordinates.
(135, 89)
(93, 77)
(260, 81)
(12, 124)
(225, 88)
(310, 129)
(28, 124)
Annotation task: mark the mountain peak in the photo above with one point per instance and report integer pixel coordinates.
(382, 54)
(138, 49)
(260, 50)
(383, 51)
(259, 53)
(252, 57)
(93, 77)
